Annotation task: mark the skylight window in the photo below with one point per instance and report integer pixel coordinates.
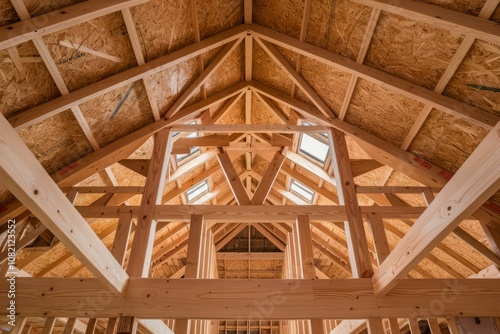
(181, 157)
(301, 190)
(197, 190)
(313, 148)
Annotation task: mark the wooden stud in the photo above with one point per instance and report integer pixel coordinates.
(379, 238)
(355, 233)
(111, 327)
(142, 248)
(434, 326)
(49, 325)
(193, 260)
(122, 235)
(305, 245)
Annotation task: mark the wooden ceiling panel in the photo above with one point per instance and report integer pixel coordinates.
(22, 78)
(57, 141)
(283, 16)
(229, 73)
(229, 14)
(163, 26)
(447, 141)
(267, 71)
(330, 83)
(411, 50)
(170, 83)
(338, 26)
(91, 51)
(480, 68)
(109, 115)
(393, 113)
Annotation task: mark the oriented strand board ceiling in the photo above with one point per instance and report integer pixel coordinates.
(414, 85)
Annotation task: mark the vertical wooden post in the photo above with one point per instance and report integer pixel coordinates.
(49, 325)
(91, 325)
(394, 325)
(111, 328)
(452, 325)
(70, 326)
(122, 235)
(414, 326)
(375, 326)
(359, 254)
(305, 245)
(434, 326)
(20, 323)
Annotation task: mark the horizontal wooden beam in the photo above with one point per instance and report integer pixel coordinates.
(251, 213)
(253, 299)
(250, 256)
(246, 128)
(440, 17)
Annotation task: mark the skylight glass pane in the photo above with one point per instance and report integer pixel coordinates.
(306, 123)
(302, 190)
(181, 157)
(313, 148)
(197, 190)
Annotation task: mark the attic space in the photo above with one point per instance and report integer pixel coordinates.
(249, 166)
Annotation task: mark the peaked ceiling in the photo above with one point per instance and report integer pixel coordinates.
(86, 86)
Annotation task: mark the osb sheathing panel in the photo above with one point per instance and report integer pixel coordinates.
(163, 26)
(7, 13)
(127, 177)
(399, 179)
(446, 140)
(145, 151)
(267, 71)
(39, 7)
(261, 113)
(382, 112)
(355, 151)
(284, 16)
(235, 115)
(480, 67)
(22, 90)
(56, 141)
(471, 7)
(106, 34)
(229, 73)
(330, 83)
(411, 50)
(338, 26)
(170, 83)
(229, 14)
(110, 121)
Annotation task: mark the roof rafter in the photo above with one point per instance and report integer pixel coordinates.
(27, 180)
(475, 181)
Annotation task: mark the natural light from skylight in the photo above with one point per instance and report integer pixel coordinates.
(302, 191)
(197, 190)
(313, 148)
